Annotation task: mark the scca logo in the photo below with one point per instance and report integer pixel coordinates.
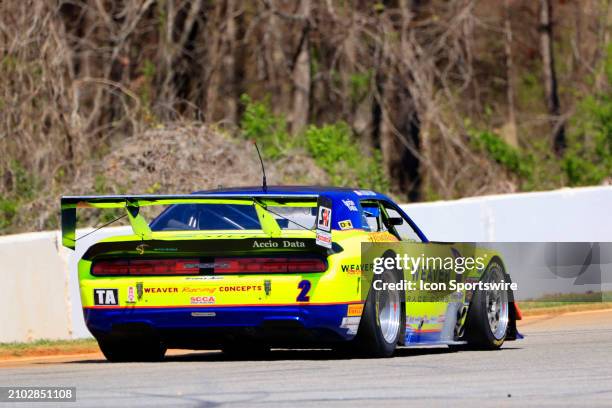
(202, 300)
(105, 297)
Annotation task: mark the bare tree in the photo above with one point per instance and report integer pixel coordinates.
(550, 76)
(222, 90)
(417, 80)
(301, 73)
(511, 131)
(400, 127)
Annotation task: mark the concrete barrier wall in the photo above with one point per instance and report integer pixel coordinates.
(39, 290)
(34, 293)
(39, 294)
(568, 215)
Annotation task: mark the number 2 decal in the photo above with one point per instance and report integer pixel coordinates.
(305, 287)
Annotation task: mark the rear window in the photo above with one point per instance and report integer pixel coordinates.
(208, 217)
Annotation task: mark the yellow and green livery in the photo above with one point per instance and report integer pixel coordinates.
(247, 269)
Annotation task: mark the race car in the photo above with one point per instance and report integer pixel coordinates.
(249, 269)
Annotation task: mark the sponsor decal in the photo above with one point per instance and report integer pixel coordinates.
(356, 269)
(323, 222)
(324, 239)
(161, 290)
(141, 248)
(268, 286)
(345, 225)
(278, 244)
(354, 310)
(240, 288)
(351, 323)
(350, 204)
(199, 290)
(293, 244)
(202, 300)
(324, 218)
(364, 192)
(139, 290)
(106, 297)
(131, 294)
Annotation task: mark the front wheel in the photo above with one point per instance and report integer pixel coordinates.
(382, 319)
(488, 317)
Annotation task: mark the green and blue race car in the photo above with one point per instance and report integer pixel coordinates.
(249, 269)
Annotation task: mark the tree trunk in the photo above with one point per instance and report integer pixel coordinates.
(510, 131)
(301, 74)
(400, 126)
(222, 94)
(550, 76)
(229, 65)
(400, 142)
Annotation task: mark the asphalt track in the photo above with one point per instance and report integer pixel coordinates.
(564, 361)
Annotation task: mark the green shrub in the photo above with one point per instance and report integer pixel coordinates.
(588, 158)
(259, 123)
(332, 146)
(359, 85)
(336, 151)
(501, 152)
(25, 187)
(8, 210)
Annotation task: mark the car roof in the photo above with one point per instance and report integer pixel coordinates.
(337, 194)
(334, 192)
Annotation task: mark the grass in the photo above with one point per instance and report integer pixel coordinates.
(565, 307)
(47, 347)
(560, 299)
(567, 302)
(527, 305)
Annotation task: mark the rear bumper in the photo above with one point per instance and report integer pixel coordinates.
(205, 327)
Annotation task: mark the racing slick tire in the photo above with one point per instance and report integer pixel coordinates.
(383, 320)
(488, 317)
(242, 351)
(126, 351)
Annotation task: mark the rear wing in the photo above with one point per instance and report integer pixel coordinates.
(132, 204)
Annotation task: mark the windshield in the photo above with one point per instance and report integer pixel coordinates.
(230, 217)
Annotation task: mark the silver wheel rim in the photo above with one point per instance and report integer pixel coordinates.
(497, 305)
(388, 306)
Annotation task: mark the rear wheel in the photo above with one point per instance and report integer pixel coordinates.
(488, 317)
(382, 319)
(126, 351)
(243, 351)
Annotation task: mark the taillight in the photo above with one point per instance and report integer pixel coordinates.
(268, 265)
(147, 267)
